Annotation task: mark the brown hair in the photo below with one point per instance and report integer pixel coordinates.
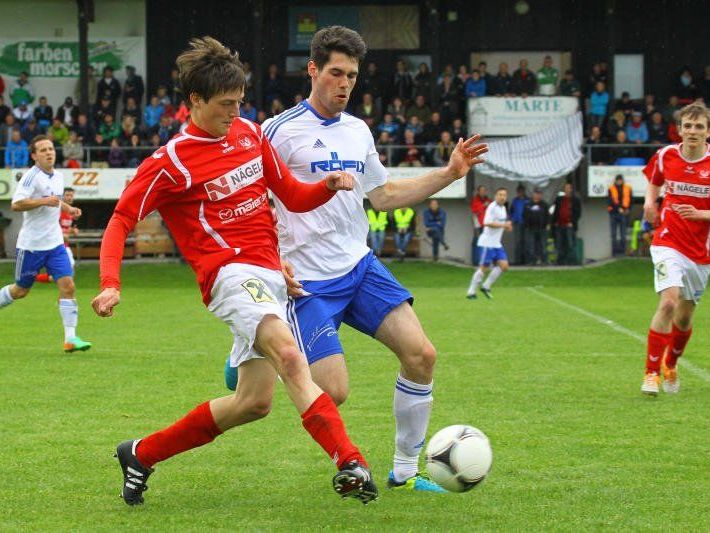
(336, 39)
(209, 68)
(35, 140)
(694, 111)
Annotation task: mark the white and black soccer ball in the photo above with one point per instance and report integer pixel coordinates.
(459, 457)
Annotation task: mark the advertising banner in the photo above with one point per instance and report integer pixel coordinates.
(600, 178)
(503, 116)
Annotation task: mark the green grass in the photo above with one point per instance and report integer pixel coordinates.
(576, 446)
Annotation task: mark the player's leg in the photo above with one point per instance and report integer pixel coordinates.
(59, 267)
(27, 265)
(681, 330)
(477, 277)
(501, 265)
(382, 308)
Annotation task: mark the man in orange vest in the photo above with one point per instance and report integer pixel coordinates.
(619, 208)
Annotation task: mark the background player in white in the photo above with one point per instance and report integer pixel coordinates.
(681, 244)
(340, 278)
(40, 242)
(490, 247)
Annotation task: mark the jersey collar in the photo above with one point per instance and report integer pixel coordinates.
(199, 134)
(326, 121)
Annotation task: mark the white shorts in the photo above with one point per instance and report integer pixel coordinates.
(673, 269)
(242, 295)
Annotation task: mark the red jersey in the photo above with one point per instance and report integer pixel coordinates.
(478, 207)
(687, 182)
(66, 221)
(212, 195)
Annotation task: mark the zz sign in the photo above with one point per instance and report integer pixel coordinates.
(85, 179)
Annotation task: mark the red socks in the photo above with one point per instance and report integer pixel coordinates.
(678, 340)
(194, 429)
(657, 343)
(322, 420)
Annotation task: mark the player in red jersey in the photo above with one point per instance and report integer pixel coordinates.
(681, 243)
(210, 183)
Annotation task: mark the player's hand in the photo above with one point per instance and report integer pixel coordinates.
(466, 154)
(650, 211)
(75, 212)
(104, 303)
(52, 201)
(340, 181)
(293, 287)
(688, 212)
(508, 225)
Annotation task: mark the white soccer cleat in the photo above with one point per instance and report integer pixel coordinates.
(651, 384)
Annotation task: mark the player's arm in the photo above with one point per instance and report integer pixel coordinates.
(73, 211)
(299, 197)
(410, 191)
(655, 178)
(690, 212)
(28, 204)
(150, 188)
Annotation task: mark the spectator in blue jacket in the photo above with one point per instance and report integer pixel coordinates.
(435, 223)
(598, 105)
(17, 155)
(517, 212)
(475, 85)
(390, 125)
(153, 112)
(636, 130)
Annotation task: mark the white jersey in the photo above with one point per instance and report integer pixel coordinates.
(330, 240)
(40, 226)
(491, 237)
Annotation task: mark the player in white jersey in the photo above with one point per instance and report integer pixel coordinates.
(490, 246)
(339, 278)
(40, 242)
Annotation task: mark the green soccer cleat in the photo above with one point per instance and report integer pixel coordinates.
(419, 482)
(75, 344)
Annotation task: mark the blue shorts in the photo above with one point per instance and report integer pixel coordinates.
(361, 298)
(28, 265)
(487, 256)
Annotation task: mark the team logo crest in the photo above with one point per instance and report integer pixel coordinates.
(258, 291)
(245, 142)
(705, 174)
(225, 214)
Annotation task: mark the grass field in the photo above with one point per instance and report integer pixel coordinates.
(550, 370)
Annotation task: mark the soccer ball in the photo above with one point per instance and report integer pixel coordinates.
(459, 457)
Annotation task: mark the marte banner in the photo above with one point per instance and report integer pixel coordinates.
(517, 115)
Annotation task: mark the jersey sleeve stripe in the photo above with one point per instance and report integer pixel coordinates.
(271, 134)
(176, 160)
(29, 177)
(284, 117)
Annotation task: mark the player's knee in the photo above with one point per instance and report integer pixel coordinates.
(259, 408)
(67, 287)
(421, 362)
(668, 306)
(504, 267)
(338, 392)
(428, 357)
(18, 293)
(291, 362)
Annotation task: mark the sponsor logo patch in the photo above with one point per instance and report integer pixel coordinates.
(234, 180)
(258, 291)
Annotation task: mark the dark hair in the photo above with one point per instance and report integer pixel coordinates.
(68, 189)
(336, 39)
(501, 189)
(209, 68)
(35, 140)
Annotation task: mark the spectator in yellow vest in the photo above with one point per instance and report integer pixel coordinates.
(378, 225)
(619, 208)
(403, 219)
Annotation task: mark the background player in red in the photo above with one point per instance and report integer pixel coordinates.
(681, 243)
(209, 184)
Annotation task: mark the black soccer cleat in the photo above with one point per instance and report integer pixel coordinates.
(471, 296)
(355, 481)
(134, 473)
(487, 293)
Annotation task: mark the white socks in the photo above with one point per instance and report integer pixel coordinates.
(476, 280)
(5, 297)
(412, 409)
(70, 316)
(492, 277)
